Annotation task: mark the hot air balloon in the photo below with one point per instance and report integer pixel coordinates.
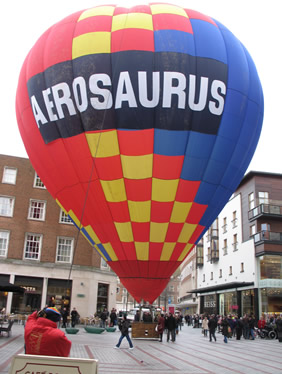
(141, 123)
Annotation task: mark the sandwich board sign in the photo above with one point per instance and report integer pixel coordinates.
(31, 364)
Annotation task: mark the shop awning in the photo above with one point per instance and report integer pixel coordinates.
(9, 287)
(225, 286)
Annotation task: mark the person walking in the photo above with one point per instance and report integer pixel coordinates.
(212, 324)
(124, 329)
(205, 326)
(161, 326)
(225, 332)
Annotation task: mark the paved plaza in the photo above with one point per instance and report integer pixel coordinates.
(192, 353)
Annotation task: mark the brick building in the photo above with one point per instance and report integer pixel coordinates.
(42, 251)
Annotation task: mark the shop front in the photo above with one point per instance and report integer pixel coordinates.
(31, 299)
(58, 293)
(234, 298)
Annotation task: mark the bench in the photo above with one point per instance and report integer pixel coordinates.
(7, 329)
(23, 364)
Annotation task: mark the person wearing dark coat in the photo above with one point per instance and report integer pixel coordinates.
(252, 327)
(113, 317)
(161, 326)
(65, 315)
(212, 324)
(170, 325)
(225, 333)
(279, 329)
(124, 329)
(239, 328)
(74, 317)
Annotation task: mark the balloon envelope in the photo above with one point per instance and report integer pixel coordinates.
(141, 123)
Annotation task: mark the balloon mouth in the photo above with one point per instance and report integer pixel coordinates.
(145, 289)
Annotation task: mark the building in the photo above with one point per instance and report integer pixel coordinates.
(188, 300)
(239, 259)
(42, 251)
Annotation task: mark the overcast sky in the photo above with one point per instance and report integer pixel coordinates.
(256, 23)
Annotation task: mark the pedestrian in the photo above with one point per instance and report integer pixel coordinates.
(113, 317)
(103, 318)
(239, 328)
(74, 317)
(124, 329)
(279, 329)
(246, 329)
(205, 326)
(65, 315)
(252, 327)
(212, 324)
(225, 329)
(42, 336)
(161, 326)
(137, 316)
(170, 325)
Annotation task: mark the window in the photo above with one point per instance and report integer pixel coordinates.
(211, 275)
(220, 273)
(263, 197)
(64, 217)
(252, 230)
(6, 206)
(9, 175)
(64, 249)
(32, 246)
(171, 288)
(117, 290)
(224, 247)
(4, 243)
(235, 242)
(37, 210)
(242, 267)
(234, 220)
(104, 264)
(265, 227)
(38, 182)
(230, 270)
(251, 201)
(204, 278)
(224, 226)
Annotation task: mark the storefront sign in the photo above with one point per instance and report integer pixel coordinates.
(29, 364)
(234, 307)
(210, 304)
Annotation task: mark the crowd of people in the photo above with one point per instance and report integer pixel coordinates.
(232, 326)
(43, 337)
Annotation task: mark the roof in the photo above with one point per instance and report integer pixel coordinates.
(225, 286)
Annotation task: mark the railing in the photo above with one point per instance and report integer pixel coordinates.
(270, 236)
(235, 246)
(268, 209)
(224, 249)
(224, 228)
(234, 222)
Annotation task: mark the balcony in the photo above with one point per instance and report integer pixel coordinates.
(268, 236)
(267, 210)
(213, 256)
(199, 255)
(268, 242)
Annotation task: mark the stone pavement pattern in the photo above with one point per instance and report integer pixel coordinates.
(191, 353)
